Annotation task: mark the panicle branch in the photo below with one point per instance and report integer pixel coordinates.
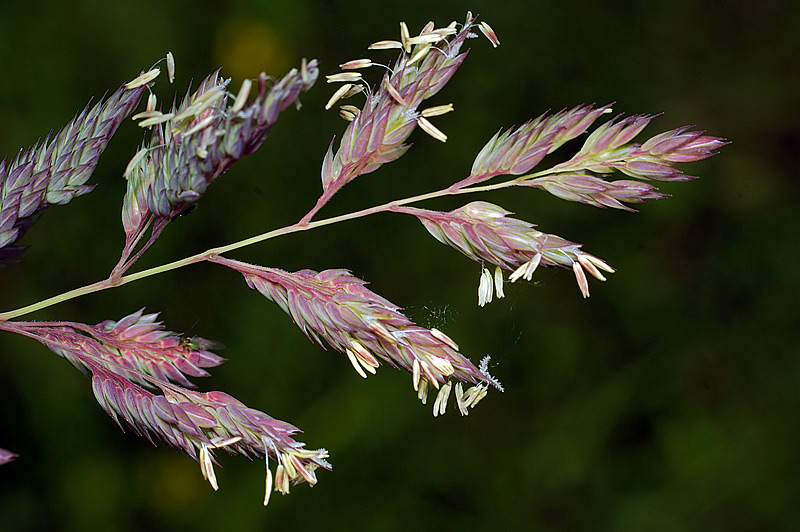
(55, 171)
(336, 308)
(608, 148)
(482, 232)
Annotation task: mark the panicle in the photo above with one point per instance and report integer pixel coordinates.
(202, 137)
(55, 171)
(482, 231)
(335, 308)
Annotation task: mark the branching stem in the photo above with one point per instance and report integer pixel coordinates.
(304, 225)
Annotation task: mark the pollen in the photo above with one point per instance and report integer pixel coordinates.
(485, 288)
(498, 282)
(305, 74)
(170, 67)
(154, 120)
(440, 404)
(426, 38)
(489, 33)
(356, 64)
(349, 112)
(339, 94)
(202, 124)
(241, 97)
(385, 45)
(268, 484)
(207, 466)
(143, 79)
(419, 54)
(404, 37)
(437, 110)
(135, 160)
(431, 130)
(348, 77)
(580, 276)
(354, 362)
(526, 270)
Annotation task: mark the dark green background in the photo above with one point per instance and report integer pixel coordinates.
(667, 401)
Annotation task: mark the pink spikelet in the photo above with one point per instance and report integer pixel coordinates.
(377, 132)
(132, 358)
(517, 151)
(609, 148)
(136, 346)
(482, 231)
(333, 307)
(6, 456)
(592, 190)
(201, 138)
(199, 423)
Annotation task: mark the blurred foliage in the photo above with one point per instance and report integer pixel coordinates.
(667, 401)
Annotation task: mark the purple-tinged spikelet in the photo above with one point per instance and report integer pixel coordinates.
(516, 151)
(197, 423)
(55, 171)
(6, 456)
(484, 233)
(336, 308)
(377, 133)
(592, 190)
(609, 148)
(125, 356)
(201, 138)
(137, 347)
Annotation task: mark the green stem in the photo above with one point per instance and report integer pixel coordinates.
(205, 255)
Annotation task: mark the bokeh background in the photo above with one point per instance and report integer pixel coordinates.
(667, 401)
